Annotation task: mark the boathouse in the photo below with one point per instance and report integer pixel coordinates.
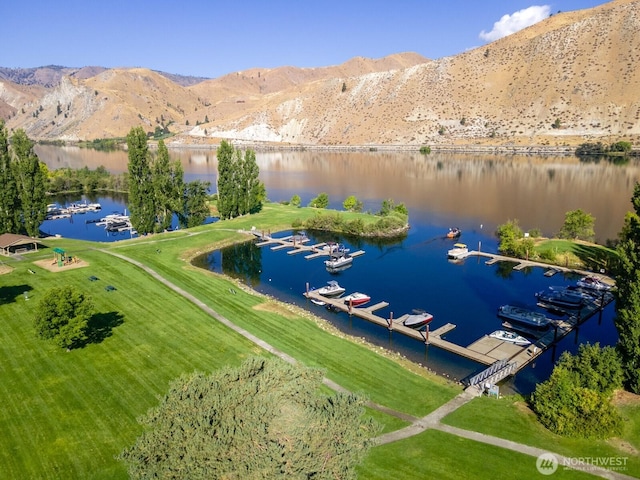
(11, 243)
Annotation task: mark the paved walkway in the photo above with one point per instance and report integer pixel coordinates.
(418, 425)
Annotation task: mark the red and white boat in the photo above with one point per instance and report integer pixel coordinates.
(356, 298)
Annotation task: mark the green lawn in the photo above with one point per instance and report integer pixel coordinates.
(509, 418)
(439, 455)
(67, 414)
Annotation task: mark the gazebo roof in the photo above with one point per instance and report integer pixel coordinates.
(13, 240)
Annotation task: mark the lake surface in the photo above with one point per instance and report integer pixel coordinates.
(473, 192)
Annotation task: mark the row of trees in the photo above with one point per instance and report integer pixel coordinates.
(157, 189)
(23, 203)
(64, 180)
(240, 191)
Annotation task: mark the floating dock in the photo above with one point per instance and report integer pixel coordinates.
(485, 350)
(502, 358)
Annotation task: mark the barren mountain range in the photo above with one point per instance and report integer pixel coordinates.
(569, 79)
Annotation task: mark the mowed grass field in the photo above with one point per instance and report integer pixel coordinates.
(68, 414)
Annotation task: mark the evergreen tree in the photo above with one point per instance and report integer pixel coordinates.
(30, 181)
(627, 319)
(264, 419)
(141, 190)
(9, 200)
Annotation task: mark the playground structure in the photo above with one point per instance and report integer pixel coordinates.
(61, 258)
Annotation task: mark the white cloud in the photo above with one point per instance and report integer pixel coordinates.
(509, 24)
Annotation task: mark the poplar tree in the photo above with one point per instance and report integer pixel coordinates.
(194, 207)
(168, 185)
(30, 183)
(9, 201)
(141, 190)
(240, 190)
(627, 319)
(225, 181)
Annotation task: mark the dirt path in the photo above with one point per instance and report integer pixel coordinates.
(418, 425)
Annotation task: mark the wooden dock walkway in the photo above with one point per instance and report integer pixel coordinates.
(485, 350)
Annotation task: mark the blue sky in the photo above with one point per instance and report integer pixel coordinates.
(213, 38)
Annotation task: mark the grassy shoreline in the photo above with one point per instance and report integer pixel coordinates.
(67, 414)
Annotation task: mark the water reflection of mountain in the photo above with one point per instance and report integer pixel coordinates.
(451, 189)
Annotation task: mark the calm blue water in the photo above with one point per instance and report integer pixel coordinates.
(82, 226)
(409, 274)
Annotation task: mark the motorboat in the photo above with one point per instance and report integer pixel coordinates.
(522, 316)
(510, 337)
(562, 298)
(458, 251)
(338, 262)
(332, 289)
(335, 248)
(593, 283)
(356, 298)
(417, 319)
(454, 232)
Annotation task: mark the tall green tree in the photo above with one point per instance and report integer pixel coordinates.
(9, 199)
(240, 190)
(578, 225)
(627, 319)
(63, 316)
(141, 190)
(264, 419)
(252, 189)
(168, 186)
(30, 176)
(226, 181)
(194, 207)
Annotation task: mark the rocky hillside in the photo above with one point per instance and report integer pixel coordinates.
(568, 79)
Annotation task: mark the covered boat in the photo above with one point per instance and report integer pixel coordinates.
(510, 337)
(332, 289)
(563, 298)
(522, 316)
(417, 319)
(356, 298)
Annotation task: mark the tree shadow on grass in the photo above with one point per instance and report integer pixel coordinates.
(596, 258)
(101, 326)
(10, 293)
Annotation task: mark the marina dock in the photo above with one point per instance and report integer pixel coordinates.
(502, 358)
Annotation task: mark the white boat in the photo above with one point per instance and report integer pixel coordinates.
(458, 251)
(356, 298)
(338, 262)
(417, 319)
(510, 337)
(593, 283)
(333, 289)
